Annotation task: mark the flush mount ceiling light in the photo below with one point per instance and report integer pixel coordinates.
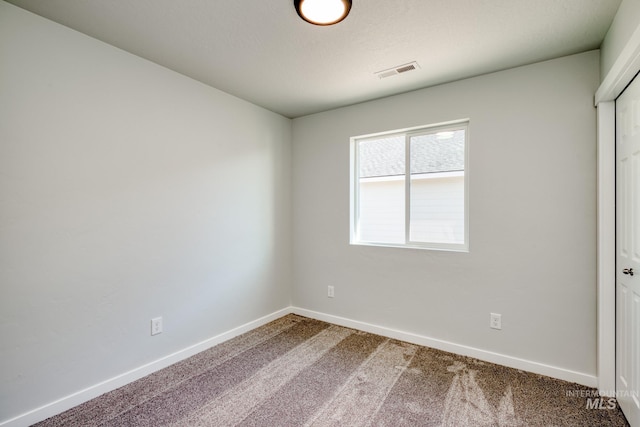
(322, 12)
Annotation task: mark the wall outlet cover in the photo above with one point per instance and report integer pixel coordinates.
(156, 325)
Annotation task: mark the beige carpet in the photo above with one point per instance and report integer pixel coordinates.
(297, 371)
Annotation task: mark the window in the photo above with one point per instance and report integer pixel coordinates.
(409, 188)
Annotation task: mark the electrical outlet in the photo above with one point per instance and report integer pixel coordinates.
(496, 321)
(156, 326)
(330, 293)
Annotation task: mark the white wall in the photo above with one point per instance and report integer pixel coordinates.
(532, 218)
(626, 21)
(127, 191)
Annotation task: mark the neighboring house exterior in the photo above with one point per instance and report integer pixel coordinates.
(437, 188)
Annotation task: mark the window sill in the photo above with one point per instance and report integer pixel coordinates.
(447, 248)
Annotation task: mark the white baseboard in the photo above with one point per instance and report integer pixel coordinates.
(487, 356)
(96, 390)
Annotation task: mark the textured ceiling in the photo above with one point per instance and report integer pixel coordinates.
(261, 51)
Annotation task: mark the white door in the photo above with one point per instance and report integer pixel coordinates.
(628, 252)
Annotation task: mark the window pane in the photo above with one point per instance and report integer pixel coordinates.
(437, 187)
(381, 167)
(427, 211)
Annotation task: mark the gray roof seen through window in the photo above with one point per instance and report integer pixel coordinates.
(430, 153)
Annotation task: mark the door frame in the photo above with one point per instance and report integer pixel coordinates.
(624, 69)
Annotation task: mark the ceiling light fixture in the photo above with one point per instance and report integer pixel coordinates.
(322, 12)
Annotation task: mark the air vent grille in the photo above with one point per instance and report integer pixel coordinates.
(397, 70)
(406, 68)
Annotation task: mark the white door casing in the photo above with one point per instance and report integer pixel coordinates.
(628, 252)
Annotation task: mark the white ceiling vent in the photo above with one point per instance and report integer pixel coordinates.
(404, 68)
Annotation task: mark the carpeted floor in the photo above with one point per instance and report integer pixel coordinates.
(297, 371)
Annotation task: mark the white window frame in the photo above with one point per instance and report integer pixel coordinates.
(408, 133)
